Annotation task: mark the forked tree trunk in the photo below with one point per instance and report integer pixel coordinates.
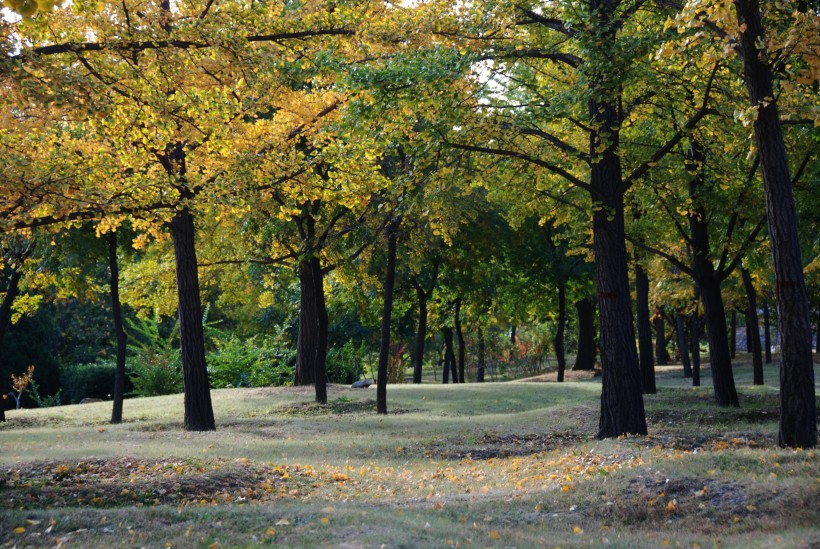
(199, 414)
(585, 357)
(798, 412)
(753, 333)
(119, 332)
(479, 372)
(558, 340)
(645, 358)
(683, 348)
(384, 348)
(462, 346)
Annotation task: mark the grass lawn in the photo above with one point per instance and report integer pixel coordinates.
(494, 465)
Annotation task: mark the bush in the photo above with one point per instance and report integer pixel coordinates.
(155, 364)
(95, 380)
(248, 363)
(345, 364)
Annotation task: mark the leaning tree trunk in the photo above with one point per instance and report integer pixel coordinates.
(767, 332)
(645, 358)
(384, 348)
(753, 333)
(308, 339)
(421, 334)
(798, 413)
(482, 351)
(661, 354)
(585, 357)
(558, 340)
(320, 364)
(119, 332)
(462, 346)
(683, 348)
(199, 414)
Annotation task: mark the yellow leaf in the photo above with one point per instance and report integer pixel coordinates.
(214, 545)
(578, 530)
(672, 506)
(19, 530)
(494, 535)
(324, 520)
(270, 532)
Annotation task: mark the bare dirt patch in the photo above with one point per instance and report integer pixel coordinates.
(492, 446)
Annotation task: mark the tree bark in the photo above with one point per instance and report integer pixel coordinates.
(753, 333)
(479, 372)
(462, 346)
(421, 333)
(622, 409)
(558, 340)
(645, 358)
(661, 354)
(119, 332)
(798, 413)
(389, 284)
(585, 357)
(307, 341)
(199, 415)
(683, 348)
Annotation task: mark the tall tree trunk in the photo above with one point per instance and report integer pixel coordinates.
(753, 333)
(767, 333)
(622, 410)
(479, 372)
(798, 413)
(558, 340)
(421, 333)
(119, 332)
(585, 357)
(199, 414)
(308, 338)
(389, 284)
(462, 346)
(320, 364)
(645, 358)
(733, 334)
(683, 348)
(659, 322)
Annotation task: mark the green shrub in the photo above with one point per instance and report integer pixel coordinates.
(345, 364)
(154, 364)
(248, 363)
(79, 381)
